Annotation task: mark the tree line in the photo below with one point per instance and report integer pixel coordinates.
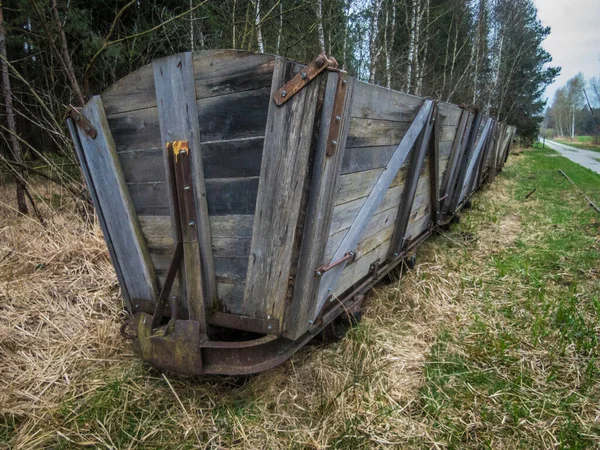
(484, 53)
(575, 109)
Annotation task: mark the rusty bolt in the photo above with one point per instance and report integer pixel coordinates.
(283, 93)
(77, 117)
(338, 118)
(303, 75)
(187, 188)
(334, 142)
(191, 224)
(344, 82)
(320, 60)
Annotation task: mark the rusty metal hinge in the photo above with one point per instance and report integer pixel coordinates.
(349, 256)
(335, 126)
(82, 122)
(318, 65)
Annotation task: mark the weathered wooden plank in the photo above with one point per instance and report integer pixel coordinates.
(122, 227)
(234, 116)
(359, 184)
(352, 238)
(220, 72)
(408, 194)
(372, 133)
(233, 247)
(99, 214)
(473, 160)
(239, 158)
(137, 129)
(320, 205)
(231, 296)
(238, 225)
(449, 114)
(344, 214)
(366, 158)
(134, 91)
(174, 84)
(223, 159)
(376, 102)
(231, 270)
(217, 72)
(232, 195)
(280, 194)
(433, 164)
(223, 196)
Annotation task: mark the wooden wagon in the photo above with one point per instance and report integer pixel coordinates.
(248, 200)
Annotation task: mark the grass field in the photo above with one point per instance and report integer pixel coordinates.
(490, 342)
(582, 142)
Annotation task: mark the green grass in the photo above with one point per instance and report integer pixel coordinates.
(491, 342)
(525, 370)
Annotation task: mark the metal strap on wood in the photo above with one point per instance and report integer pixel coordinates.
(355, 233)
(82, 122)
(289, 89)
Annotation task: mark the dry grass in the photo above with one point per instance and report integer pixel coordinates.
(68, 379)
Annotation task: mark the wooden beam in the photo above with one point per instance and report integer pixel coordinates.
(349, 243)
(283, 174)
(326, 171)
(99, 213)
(456, 187)
(434, 161)
(456, 154)
(410, 187)
(178, 118)
(469, 177)
(112, 200)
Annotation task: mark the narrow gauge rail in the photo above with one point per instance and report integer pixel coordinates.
(248, 200)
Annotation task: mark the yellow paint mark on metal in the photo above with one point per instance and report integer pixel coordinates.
(178, 147)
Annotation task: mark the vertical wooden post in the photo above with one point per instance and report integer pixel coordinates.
(326, 170)
(410, 188)
(456, 154)
(178, 117)
(434, 174)
(106, 181)
(283, 174)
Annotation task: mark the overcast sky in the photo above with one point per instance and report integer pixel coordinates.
(575, 39)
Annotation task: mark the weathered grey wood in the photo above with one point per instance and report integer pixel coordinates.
(99, 213)
(376, 102)
(238, 225)
(366, 158)
(344, 214)
(456, 187)
(280, 192)
(234, 116)
(410, 188)
(456, 155)
(473, 160)
(352, 238)
(134, 91)
(449, 114)
(372, 133)
(174, 83)
(113, 199)
(434, 160)
(238, 158)
(226, 196)
(220, 72)
(319, 213)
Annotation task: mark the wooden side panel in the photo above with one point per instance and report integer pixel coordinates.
(280, 194)
(319, 212)
(232, 96)
(114, 201)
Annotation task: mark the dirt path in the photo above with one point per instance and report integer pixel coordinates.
(585, 158)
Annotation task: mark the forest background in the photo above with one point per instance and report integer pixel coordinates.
(486, 53)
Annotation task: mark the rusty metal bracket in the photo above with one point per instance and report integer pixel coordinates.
(82, 122)
(306, 75)
(349, 256)
(335, 126)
